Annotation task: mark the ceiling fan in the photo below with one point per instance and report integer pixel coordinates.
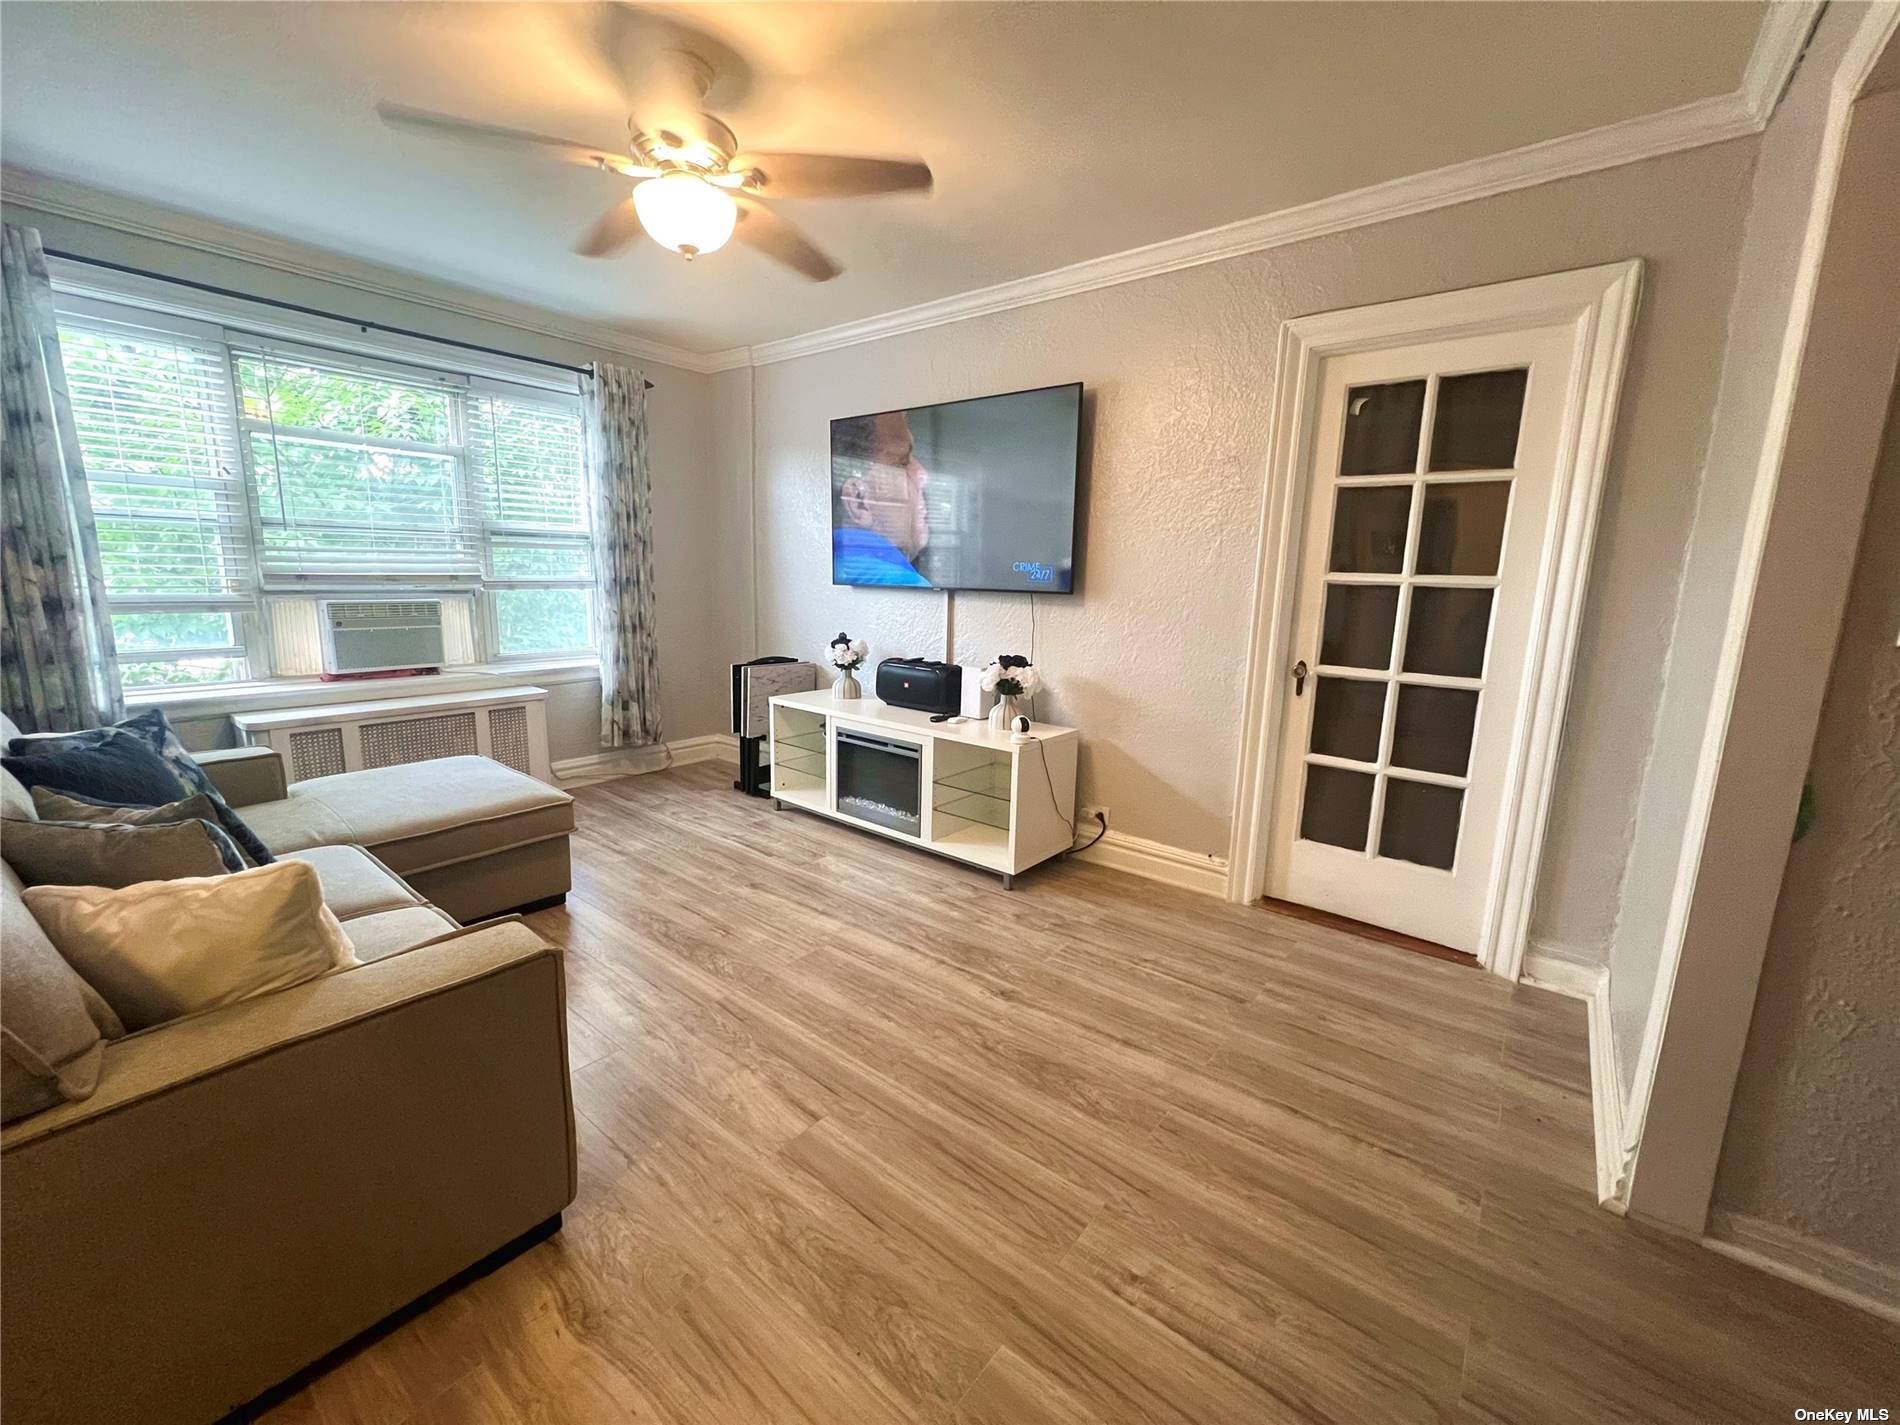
(693, 187)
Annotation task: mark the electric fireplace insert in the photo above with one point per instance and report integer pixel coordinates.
(880, 780)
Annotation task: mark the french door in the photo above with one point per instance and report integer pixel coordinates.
(1428, 520)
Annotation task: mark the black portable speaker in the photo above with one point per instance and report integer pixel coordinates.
(921, 684)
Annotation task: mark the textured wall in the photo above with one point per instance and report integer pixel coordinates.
(1814, 1132)
(1149, 658)
(694, 563)
(1764, 284)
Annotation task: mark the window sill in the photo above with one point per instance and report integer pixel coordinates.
(272, 693)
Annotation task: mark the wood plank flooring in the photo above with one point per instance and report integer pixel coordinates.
(865, 1138)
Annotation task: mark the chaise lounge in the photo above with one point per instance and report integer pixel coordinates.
(467, 833)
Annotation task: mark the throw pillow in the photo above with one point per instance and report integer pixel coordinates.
(49, 1041)
(163, 949)
(15, 800)
(112, 766)
(154, 729)
(66, 853)
(58, 806)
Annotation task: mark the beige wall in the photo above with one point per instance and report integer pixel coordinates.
(1812, 474)
(1813, 1139)
(694, 560)
(1776, 224)
(1149, 658)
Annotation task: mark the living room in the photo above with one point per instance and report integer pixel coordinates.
(1255, 1044)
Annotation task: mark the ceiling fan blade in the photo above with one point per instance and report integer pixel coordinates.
(833, 175)
(427, 121)
(618, 227)
(761, 228)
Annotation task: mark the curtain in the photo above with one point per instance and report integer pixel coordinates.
(58, 668)
(614, 415)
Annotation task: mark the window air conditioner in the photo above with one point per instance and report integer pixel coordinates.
(380, 635)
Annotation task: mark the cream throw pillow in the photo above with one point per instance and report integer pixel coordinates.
(162, 949)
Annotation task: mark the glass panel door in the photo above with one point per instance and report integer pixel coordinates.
(1409, 588)
(1413, 743)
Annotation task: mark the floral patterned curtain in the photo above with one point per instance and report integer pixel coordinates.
(614, 413)
(58, 668)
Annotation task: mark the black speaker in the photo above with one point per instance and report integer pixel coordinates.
(922, 685)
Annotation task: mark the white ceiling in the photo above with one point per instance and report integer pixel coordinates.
(1058, 132)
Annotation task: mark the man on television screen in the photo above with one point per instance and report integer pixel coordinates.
(879, 524)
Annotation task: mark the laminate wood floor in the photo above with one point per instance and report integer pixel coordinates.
(865, 1138)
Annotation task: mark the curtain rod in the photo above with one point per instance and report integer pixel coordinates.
(319, 312)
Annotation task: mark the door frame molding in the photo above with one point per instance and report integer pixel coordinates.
(1600, 304)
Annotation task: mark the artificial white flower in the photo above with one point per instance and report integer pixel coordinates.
(1025, 679)
(848, 653)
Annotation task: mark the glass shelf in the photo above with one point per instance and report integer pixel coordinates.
(810, 763)
(973, 807)
(973, 796)
(804, 741)
(990, 779)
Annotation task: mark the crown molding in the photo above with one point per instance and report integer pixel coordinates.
(1704, 122)
(1785, 28)
(1785, 31)
(1784, 34)
(135, 218)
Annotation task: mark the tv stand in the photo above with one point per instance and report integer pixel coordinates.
(957, 789)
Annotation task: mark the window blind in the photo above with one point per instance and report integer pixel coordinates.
(357, 471)
(525, 456)
(153, 414)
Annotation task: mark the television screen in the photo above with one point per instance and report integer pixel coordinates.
(976, 494)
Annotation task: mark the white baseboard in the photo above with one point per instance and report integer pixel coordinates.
(1562, 968)
(1155, 860)
(631, 761)
(1606, 1102)
(1567, 971)
(1808, 1261)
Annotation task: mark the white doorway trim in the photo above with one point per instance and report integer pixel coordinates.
(1600, 303)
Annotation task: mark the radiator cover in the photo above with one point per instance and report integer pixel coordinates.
(507, 724)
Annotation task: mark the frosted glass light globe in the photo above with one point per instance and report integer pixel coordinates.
(684, 212)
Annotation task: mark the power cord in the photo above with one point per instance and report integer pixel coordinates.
(1101, 817)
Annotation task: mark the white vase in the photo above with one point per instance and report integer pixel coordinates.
(1000, 715)
(846, 687)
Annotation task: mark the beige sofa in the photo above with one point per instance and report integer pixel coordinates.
(249, 1188)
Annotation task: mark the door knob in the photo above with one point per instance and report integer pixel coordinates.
(1299, 678)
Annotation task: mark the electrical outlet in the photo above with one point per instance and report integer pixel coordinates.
(1090, 813)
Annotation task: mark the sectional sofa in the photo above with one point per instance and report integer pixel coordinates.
(251, 1187)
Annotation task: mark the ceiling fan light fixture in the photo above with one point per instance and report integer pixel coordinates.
(683, 212)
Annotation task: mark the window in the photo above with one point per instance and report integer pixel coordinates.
(153, 415)
(538, 560)
(230, 476)
(358, 475)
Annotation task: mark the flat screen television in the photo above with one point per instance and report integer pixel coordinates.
(976, 494)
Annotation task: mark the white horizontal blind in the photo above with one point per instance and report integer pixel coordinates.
(526, 459)
(357, 470)
(159, 446)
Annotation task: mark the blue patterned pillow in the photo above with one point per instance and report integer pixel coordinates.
(108, 766)
(154, 730)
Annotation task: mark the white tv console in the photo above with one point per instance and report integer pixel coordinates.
(955, 788)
